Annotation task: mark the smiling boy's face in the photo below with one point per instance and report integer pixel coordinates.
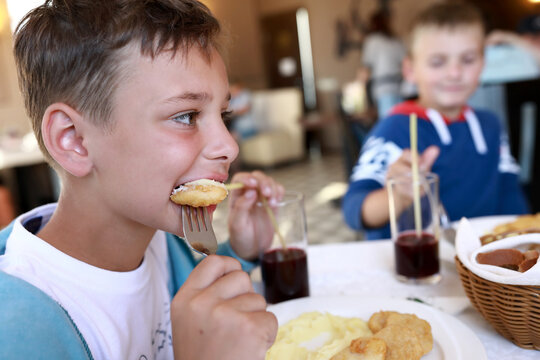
(167, 130)
(445, 64)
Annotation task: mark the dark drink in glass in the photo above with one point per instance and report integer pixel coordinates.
(416, 257)
(285, 274)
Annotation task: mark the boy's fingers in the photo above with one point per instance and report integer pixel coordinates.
(428, 157)
(398, 168)
(260, 183)
(210, 269)
(267, 186)
(248, 302)
(405, 156)
(245, 178)
(271, 328)
(278, 191)
(231, 285)
(246, 200)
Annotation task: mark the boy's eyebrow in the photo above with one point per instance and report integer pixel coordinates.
(193, 96)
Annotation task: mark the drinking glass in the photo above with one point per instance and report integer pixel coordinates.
(283, 258)
(416, 251)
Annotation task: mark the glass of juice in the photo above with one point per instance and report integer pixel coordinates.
(415, 234)
(282, 253)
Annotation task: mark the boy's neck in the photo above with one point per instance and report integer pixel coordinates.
(95, 240)
(451, 113)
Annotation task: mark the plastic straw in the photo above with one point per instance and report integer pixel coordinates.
(415, 174)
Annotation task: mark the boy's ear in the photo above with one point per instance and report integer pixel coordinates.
(407, 69)
(63, 135)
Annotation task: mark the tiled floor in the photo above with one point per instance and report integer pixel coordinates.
(322, 180)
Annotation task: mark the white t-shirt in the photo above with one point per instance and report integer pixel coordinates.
(383, 55)
(122, 315)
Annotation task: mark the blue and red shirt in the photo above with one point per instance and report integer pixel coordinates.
(477, 174)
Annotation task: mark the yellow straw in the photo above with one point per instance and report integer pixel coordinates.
(234, 186)
(274, 222)
(415, 174)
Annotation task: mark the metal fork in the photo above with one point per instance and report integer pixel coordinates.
(198, 230)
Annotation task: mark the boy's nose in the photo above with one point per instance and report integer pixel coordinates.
(455, 70)
(220, 143)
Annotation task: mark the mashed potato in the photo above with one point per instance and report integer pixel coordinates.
(315, 336)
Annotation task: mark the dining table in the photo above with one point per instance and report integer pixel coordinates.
(366, 269)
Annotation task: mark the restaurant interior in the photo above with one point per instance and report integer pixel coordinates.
(296, 75)
(296, 59)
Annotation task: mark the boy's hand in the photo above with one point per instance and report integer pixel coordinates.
(217, 315)
(403, 165)
(250, 227)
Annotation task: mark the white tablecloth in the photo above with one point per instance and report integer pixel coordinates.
(366, 268)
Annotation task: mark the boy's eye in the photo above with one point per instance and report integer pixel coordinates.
(469, 59)
(188, 118)
(436, 61)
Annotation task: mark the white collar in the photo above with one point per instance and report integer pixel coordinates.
(474, 127)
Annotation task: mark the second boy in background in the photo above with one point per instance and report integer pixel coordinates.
(466, 147)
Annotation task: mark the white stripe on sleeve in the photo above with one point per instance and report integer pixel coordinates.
(375, 159)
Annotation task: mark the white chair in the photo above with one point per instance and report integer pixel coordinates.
(281, 137)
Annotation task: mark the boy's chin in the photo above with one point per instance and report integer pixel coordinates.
(452, 104)
(454, 100)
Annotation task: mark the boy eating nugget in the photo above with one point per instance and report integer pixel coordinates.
(127, 100)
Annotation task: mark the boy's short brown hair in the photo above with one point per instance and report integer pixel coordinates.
(447, 15)
(73, 51)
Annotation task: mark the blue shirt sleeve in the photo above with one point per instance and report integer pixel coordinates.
(353, 200)
(383, 146)
(226, 249)
(181, 261)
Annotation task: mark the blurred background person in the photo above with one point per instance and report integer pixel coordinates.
(355, 100)
(526, 37)
(242, 124)
(382, 54)
(358, 116)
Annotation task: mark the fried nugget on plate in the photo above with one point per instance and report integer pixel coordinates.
(402, 342)
(363, 348)
(382, 319)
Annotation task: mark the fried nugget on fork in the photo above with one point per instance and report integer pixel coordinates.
(199, 193)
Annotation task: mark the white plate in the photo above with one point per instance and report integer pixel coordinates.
(452, 339)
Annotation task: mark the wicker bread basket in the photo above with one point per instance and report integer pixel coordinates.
(513, 310)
